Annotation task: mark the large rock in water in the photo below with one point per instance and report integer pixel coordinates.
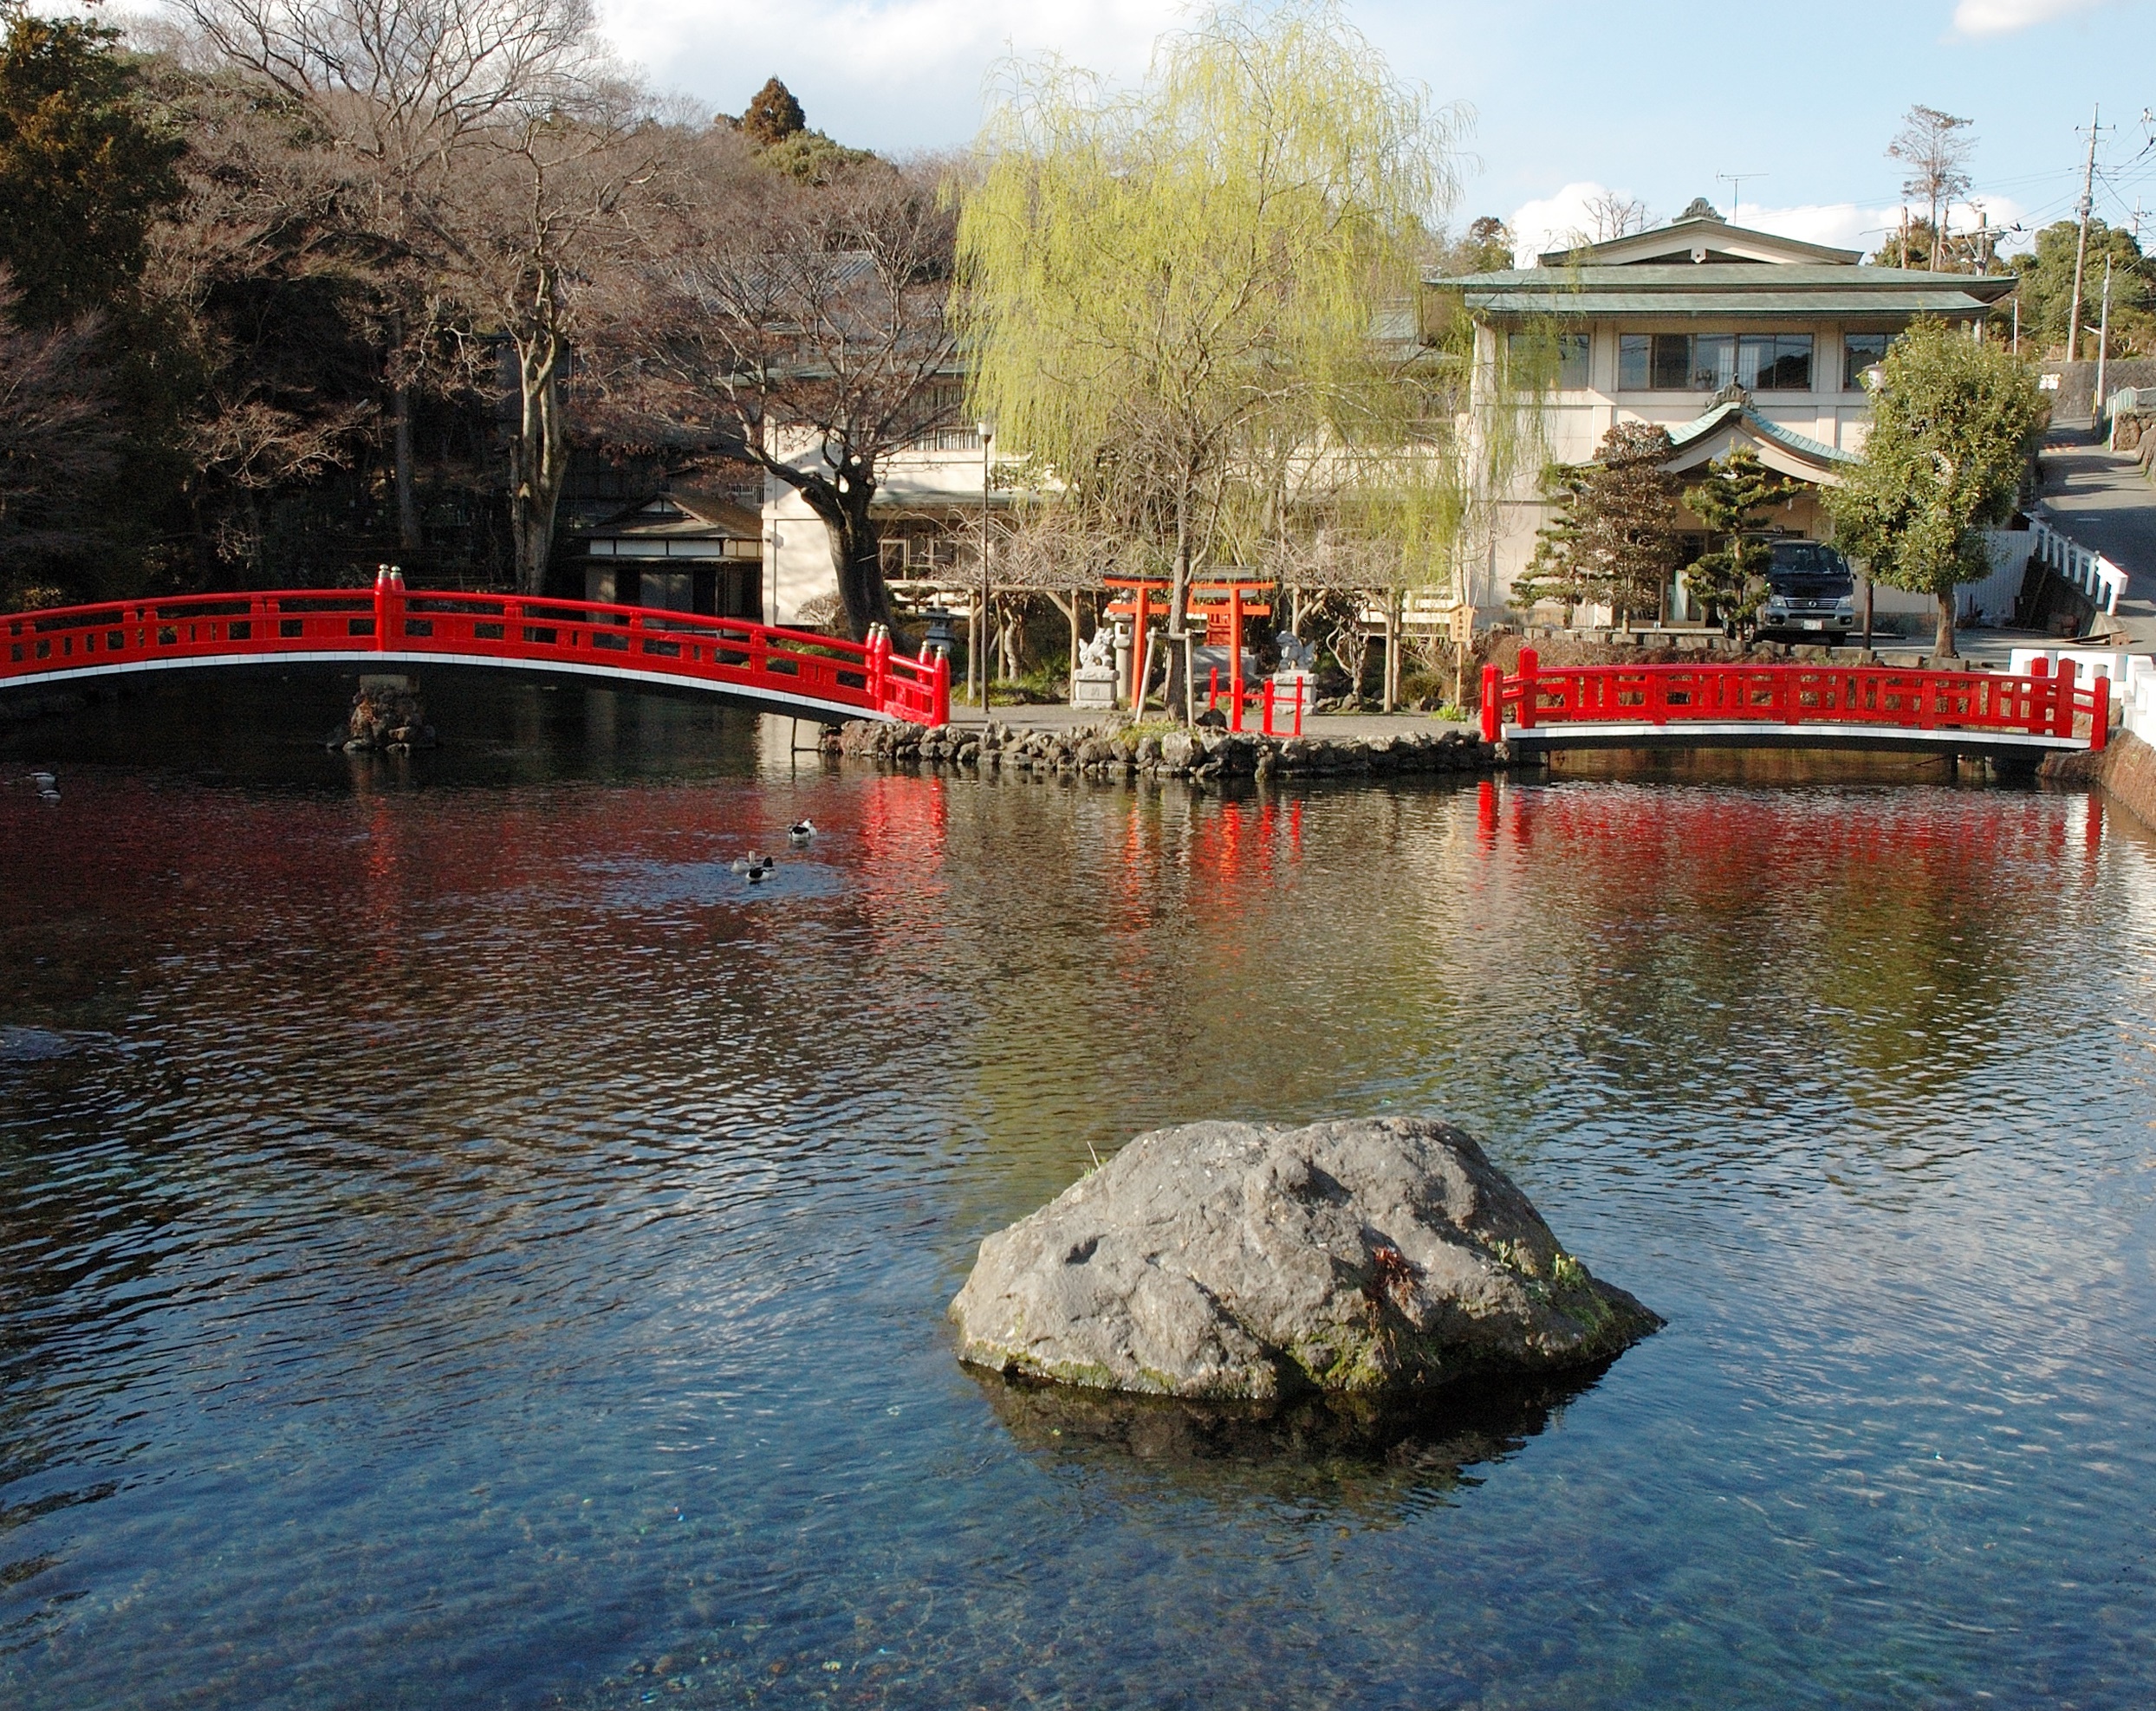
(1229, 1260)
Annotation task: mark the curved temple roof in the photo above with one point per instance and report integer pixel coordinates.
(1734, 423)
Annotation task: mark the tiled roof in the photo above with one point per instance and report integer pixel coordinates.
(1691, 433)
(1741, 288)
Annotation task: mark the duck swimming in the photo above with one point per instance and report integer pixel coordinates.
(802, 831)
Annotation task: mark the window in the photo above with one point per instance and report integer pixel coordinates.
(945, 404)
(1672, 362)
(1775, 362)
(1539, 357)
(1713, 362)
(1706, 362)
(1861, 351)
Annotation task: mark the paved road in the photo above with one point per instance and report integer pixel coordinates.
(2103, 501)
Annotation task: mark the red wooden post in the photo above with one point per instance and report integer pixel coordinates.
(1269, 706)
(940, 707)
(879, 667)
(2062, 700)
(1302, 677)
(1235, 649)
(1531, 662)
(1212, 690)
(2031, 703)
(1492, 714)
(1138, 650)
(381, 608)
(2099, 714)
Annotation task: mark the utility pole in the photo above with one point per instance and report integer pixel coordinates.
(2103, 347)
(2081, 247)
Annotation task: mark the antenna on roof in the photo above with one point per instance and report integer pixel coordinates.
(1735, 182)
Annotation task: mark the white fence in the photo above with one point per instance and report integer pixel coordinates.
(2092, 573)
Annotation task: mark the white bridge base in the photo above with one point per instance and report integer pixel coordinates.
(1758, 733)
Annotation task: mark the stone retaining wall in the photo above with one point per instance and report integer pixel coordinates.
(2126, 769)
(2128, 776)
(1111, 752)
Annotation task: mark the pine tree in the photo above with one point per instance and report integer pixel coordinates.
(1613, 542)
(1732, 502)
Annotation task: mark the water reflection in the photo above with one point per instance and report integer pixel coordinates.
(459, 1245)
(1376, 1460)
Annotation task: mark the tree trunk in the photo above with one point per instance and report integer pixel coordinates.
(1943, 644)
(408, 536)
(856, 553)
(538, 460)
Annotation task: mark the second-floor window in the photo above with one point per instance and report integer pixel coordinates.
(945, 403)
(1706, 362)
(1562, 359)
(1861, 351)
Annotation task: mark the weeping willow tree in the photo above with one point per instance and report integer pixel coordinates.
(1194, 305)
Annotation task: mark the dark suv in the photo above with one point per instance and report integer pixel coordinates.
(1810, 591)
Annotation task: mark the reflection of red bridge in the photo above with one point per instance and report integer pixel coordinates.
(779, 670)
(1535, 709)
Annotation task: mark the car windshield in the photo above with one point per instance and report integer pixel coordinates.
(1810, 570)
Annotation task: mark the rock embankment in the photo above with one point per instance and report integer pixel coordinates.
(386, 717)
(1241, 1262)
(1111, 752)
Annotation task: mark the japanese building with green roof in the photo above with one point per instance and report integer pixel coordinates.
(1724, 336)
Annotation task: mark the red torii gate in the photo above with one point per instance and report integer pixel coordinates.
(1221, 604)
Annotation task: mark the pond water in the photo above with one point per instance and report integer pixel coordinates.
(461, 1245)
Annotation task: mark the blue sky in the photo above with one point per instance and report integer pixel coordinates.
(1652, 99)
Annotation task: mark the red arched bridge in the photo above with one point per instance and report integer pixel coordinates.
(809, 677)
(1537, 709)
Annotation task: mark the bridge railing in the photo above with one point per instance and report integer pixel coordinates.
(724, 652)
(2040, 702)
(2095, 575)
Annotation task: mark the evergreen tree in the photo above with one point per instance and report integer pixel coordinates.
(2047, 290)
(1953, 423)
(1613, 542)
(82, 174)
(1732, 502)
(772, 115)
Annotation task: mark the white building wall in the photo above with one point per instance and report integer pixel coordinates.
(1574, 423)
(798, 565)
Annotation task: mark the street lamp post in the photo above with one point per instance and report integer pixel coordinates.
(987, 435)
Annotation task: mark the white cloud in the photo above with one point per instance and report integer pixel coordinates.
(1847, 226)
(1550, 221)
(883, 73)
(2003, 18)
(1553, 221)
